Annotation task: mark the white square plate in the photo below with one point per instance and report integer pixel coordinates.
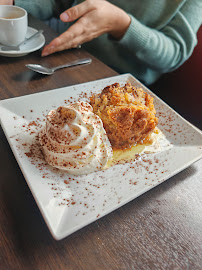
(69, 203)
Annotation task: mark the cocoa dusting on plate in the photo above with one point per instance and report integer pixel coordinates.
(61, 183)
(68, 203)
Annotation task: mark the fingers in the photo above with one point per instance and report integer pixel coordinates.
(69, 39)
(78, 33)
(62, 47)
(76, 12)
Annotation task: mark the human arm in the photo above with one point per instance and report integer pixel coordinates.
(167, 46)
(94, 19)
(162, 48)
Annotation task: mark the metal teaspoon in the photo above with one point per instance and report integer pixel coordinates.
(49, 71)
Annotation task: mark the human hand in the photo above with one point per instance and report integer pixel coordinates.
(95, 17)
(6, 2)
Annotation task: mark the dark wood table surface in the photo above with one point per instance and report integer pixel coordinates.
(161, 229)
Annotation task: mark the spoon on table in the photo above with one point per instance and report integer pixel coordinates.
(17, 48)
(49, 71)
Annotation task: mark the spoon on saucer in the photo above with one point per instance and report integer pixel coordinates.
(50, 71)
(17, 48)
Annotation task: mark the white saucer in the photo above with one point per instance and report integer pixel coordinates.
(31, 46)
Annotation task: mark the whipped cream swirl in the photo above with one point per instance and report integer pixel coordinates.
(74, 139)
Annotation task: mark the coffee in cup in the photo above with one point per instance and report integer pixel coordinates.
(13, 25)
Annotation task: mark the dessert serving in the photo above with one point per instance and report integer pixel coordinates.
(74, 139)
(79, 138)
(67, 201)
(127, 113)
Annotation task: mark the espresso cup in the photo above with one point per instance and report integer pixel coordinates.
(13, 25)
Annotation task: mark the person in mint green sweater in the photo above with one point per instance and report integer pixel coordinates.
(143, 37)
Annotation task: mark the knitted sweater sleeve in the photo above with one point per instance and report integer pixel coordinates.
(167, 48)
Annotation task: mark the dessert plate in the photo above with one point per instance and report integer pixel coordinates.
(29, 47)
(69, 203)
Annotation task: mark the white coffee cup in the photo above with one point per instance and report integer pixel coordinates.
(13, 25)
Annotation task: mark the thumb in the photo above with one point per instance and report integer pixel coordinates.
(75, 12)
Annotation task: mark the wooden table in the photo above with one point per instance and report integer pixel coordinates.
(161, 229)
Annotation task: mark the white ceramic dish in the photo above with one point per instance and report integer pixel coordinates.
(31, 46)
(69, 203)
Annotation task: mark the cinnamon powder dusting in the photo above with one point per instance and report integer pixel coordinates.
(85, 193)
